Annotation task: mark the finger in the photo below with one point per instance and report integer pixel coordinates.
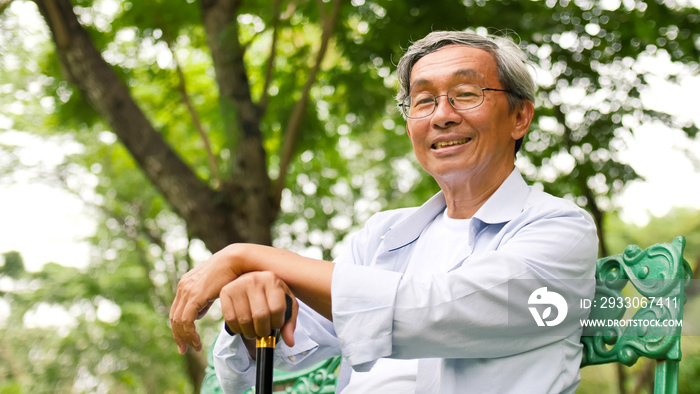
(184, 340)
(290, 325)
(228, 310)
(183, 314)
(260, 311)
(185, 334)
(243, 315)
(181, 345)
(202, 312)
(187, 328)
(277, 304)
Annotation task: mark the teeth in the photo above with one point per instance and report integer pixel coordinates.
(443, 144)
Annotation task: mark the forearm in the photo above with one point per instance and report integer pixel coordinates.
(309, 279)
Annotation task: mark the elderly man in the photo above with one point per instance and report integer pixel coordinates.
(422, 300)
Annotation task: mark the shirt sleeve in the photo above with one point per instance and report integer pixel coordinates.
(470, 311)
(314, 339)
(234, 367)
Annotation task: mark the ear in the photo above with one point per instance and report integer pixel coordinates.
(523, 118)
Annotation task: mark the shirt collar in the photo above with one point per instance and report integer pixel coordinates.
(504, 205)
(507, 202)
(408, 229)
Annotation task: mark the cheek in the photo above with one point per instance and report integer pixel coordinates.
(481, 118)
(491, 127)
(414, 133)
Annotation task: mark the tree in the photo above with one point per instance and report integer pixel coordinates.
(14, 265)
(273, 122)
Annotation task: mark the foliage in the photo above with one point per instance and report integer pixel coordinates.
(351, 157)
(14, 266)
(678, 221)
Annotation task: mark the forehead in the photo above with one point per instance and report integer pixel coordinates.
(455, 63)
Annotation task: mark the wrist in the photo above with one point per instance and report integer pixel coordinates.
(236, 256)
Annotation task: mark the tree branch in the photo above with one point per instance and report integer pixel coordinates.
(82, 64)
(182, 88)
(321, 10)
(241, 117)
(292, 131)
(247, 44)
(262, 104)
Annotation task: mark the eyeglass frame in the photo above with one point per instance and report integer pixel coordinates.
(403, 106)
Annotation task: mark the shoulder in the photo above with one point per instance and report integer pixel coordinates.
(542, 204)
(553, 221)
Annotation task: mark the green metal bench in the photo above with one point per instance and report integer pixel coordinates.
(659, 273)
(317, 379)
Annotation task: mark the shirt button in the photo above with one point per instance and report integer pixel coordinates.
(304, 353)
(292, 358)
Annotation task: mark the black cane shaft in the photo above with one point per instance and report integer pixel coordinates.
(265, 353)
(264, 356)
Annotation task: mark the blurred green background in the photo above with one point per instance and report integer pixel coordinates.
(174, 128)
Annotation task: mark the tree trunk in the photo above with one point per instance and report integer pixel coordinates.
(211, 216)
(241, 211)
(250, 180)
(196, 364)
(598, 217)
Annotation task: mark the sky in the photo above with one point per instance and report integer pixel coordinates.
(48, 224)
(39, 219)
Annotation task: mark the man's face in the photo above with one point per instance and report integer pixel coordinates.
(454, 145)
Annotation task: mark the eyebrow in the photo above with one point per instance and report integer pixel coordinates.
(465, 73)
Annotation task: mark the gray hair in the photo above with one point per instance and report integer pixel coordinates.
(511, 62)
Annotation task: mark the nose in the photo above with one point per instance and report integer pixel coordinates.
(445, 114)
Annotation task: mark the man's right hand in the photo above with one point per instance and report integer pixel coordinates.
(254, 304)
(196, 292)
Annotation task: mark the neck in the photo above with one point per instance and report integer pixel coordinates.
(464, 197)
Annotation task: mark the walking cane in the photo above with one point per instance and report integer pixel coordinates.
(264, 355)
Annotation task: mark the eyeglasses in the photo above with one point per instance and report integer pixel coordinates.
(460, 97)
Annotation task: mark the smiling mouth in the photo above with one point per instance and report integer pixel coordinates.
(443, 144)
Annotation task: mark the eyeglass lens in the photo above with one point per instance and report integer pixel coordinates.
(461, 97)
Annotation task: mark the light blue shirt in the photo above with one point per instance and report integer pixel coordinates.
(470, 327)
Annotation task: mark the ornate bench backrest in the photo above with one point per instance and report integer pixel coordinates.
(659, 276)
